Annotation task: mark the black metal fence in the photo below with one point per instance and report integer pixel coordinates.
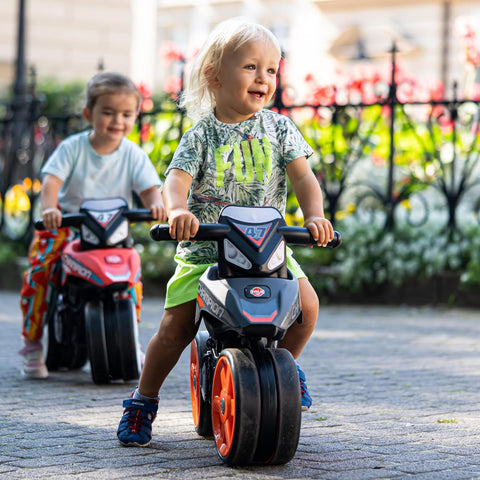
(390, 157)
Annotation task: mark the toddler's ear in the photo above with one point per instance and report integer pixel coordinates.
(87, 114)
(212, 76)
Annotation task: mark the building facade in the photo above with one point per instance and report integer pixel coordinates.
(70, 39)
(66, 39)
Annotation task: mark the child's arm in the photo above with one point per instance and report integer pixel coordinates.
(310, 199)
(183, 223)
(51, 215)
(152, 200)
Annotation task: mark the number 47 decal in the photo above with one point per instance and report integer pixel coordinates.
(255, 233)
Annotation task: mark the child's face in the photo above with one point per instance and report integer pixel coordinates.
(113, 116)
(246, 81)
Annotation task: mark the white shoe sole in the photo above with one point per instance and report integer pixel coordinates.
(37, 374)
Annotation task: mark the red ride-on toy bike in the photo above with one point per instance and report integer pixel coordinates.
(90, 316)
(243, 388)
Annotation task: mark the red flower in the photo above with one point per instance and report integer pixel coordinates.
(146, 97)
(170, 52)
(145, 132)
(144, 89)
(172, 85)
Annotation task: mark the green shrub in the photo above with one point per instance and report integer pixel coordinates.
(371, 257)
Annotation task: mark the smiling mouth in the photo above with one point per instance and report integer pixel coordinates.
(258, 95)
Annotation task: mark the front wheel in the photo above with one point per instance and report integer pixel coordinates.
(96, 341)
(289, 406)
(122, 339)
(236, 406)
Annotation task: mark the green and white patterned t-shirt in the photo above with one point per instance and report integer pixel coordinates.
(235, 164)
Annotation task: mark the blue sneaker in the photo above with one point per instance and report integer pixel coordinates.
(135, 428)
(306, 398)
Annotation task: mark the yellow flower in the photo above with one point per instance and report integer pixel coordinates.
(16, 200)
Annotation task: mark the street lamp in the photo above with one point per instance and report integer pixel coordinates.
(18, 144)
(19, 82)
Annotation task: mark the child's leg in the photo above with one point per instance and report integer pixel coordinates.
(177, 329)
(298, 334)
(135, 293)
(43, 257)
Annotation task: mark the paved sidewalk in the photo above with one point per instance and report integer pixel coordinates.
(396, 394)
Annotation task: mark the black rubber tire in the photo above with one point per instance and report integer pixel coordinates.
(201, 408)
(54, 351)
(235, 406)
(96, 341)
(289, 406)
(111, 337)
(71, 353)
(126, 339)
(269, 406)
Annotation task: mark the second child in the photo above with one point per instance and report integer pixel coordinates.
(97, 163)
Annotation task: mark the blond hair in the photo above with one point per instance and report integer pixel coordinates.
(109, 82)
(198, 98)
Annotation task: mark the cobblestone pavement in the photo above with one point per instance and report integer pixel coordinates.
(396, 394)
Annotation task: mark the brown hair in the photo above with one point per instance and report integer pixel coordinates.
(109, 82)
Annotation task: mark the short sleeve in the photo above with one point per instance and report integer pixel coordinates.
(61, 161)
(189, 153)
(144, 174)
(294, 145)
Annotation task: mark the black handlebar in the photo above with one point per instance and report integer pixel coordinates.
(76, 219)
(68, 220)
(206, 231)
(139, 215)
(215, 231)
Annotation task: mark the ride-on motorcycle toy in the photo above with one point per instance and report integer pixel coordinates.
(243, 389)
(90, 316)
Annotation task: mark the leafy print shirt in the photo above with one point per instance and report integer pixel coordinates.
(235, 164)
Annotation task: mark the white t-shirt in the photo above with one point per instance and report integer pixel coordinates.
(86, 174)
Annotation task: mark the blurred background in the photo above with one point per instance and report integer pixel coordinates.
(386, 92)
(69, 40)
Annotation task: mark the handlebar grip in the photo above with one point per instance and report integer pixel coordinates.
(139, 215)
(160, 232)
(337, 240)
(68, 220)
(206, 231)
(302, 236)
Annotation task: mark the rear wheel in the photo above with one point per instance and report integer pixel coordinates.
(65, 339)
(201, 412)
(96, 341)
(235, 406)
(54, 351)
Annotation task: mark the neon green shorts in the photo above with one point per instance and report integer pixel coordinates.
(183, 285)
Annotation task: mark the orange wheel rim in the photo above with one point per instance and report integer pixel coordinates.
(195, 394)
(223, 406)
